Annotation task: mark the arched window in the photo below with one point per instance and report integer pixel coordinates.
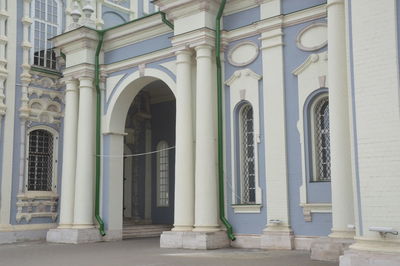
(162, 174)
(247, 155)
(321, 140)
(46, 24)
(40, 160)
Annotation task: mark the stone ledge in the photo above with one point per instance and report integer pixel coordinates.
(194, 240)
(329, 249)
(21, 236)
(277, 240)
(366, 258)
(74, 236)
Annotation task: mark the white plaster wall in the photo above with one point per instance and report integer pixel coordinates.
(377, 114)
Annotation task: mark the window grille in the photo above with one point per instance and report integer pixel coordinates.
(40, 161)
(248, 187)
(45, 26)
(322, 140)
(163, 174)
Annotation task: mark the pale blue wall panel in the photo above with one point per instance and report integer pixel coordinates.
(241, 19)
(321, 223)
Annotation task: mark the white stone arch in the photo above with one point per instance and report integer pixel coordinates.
(113, 132)
(126, 91)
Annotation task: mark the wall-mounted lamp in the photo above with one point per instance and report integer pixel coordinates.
(384, 230)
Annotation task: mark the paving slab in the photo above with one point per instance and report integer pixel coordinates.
(144, 252)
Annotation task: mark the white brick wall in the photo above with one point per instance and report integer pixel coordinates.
(377, 112)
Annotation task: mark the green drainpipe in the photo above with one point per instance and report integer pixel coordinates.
(98, 112)
(220, 122)
(98, 132)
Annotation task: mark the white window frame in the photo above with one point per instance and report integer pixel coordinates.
(55, 135)
(242, 155)
(312, 77)
(32, 30)
(313, 139)
(162, 145)
(244, 88)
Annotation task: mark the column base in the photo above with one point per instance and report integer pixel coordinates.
(182, 228)
(194, 240)
(74, 235)
(277, 239)
(366, 258)
(329, 249)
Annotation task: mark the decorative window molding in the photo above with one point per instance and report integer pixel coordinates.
(243, 53)
(244, 95)
(162, 174)
(41, 154)
(313, 37)
(39, 200)
(47, 21)
(312, 84)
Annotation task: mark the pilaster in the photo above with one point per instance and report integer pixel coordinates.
(375, 105)
(277, 234)
(9, 92)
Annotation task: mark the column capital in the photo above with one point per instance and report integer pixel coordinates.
(203, 51)
(334, 2)
(86, 82)
(184, 56)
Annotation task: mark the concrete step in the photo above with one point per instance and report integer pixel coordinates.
(138, 231)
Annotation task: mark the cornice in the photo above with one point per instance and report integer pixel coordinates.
(133, 62)
(81, 70)
(182, 8)
(146, 28)
(234, 6)
(79, 38)
(204, 36)
(280, 21)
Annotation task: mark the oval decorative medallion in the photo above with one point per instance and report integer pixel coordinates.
(243, 53)
(313, 37)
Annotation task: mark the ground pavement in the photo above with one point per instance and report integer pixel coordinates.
(144, 252)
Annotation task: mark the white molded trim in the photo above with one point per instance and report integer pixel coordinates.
(238, 46)
(247, 208)
(310, 208)
(150, 74)
(244, 87)
(312, 75)
(299, 43)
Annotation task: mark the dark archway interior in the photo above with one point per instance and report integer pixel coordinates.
(149, 175)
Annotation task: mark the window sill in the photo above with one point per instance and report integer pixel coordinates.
(37, 195)
(247, 208)
(309, 208)
(53, 72)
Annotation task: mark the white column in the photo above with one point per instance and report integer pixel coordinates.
(84, 201)
(341, 173)
(69, 154)
(184, 152)
(206, 195)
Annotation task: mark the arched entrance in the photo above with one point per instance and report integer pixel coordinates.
(149, 162)
(139, 119)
